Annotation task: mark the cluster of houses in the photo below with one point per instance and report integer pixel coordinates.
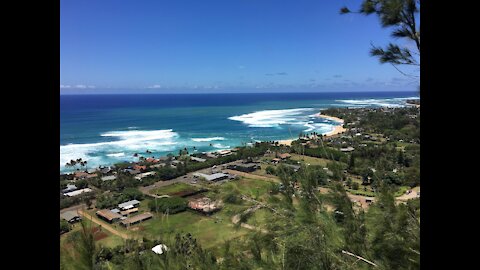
(72, 191)
(124, 213)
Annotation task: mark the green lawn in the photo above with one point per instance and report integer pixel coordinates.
(311, 160)
(209, 231)
(177, 187)
(254, 188)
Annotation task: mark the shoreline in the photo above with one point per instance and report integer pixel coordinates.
(288, 142)
(336, 130)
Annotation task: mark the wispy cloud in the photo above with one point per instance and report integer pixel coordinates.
(155, 86)
(276, 74)
(77, 86)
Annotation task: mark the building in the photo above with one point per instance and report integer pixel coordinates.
(131, 171)
(128, 205)
(244, 167)
(108, 215)
(276, 160)
(84, 175)
(70, 216)
(347, 149)
(109, 178)
(197, 159)
(139, 168)
(77, 192)
(212, 177)
(136, 219)
(284, 156)
(152, 160)
(224, 153)
(69, 188)
(205, 205)
(129, 211)
(143, 175)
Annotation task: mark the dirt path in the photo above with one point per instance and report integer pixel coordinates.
(104, 226)
(412, 195)
(236, 219)
(255, 176)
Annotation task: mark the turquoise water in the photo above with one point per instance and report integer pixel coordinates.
(105, 129)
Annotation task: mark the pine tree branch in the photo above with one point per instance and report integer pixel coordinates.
(358, 257)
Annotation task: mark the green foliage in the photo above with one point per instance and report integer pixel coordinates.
(402, 16)
(64, 226)
(270, 170)
(170, 205)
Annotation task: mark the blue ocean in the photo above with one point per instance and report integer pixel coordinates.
(106, 129)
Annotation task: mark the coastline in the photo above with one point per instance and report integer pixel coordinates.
(336, 130)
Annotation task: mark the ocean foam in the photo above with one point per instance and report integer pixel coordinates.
(132, 140)
(271, 118)
(208, 139)
(387, 102)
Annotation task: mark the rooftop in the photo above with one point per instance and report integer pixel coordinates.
(137, 218)
(126, 204)
(107, 214)
(77, 192)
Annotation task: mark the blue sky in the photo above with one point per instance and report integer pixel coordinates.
(221, 46)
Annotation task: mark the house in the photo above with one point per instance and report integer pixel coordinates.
(244, 167)
(284, 156)
(108, 215)
(205, 205)
(143, 175)
(159, 165)
(70, 216)
(347, 149)
(197, 159)
(128, 205)
(84, 175)
(134, 172)
(212, 177)
(276, 160)
(105, 170)
(109, 178)
(77, 192)
(139, 168)
(136, 219)
(129, 211)
(224, 153)
(69, 188)
(152, 160)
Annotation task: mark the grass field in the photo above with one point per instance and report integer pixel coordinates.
(177, 187)
(311, 160)
(209, 231)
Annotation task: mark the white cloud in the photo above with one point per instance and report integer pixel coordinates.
(155, 86)
(65, 86)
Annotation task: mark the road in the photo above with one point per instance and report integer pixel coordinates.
(104, 225)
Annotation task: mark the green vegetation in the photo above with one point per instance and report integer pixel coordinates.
(170, 205)
(174, 188)
(112, 199)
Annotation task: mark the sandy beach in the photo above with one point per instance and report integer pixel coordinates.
(336, 130)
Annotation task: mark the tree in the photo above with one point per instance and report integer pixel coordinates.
(402, 16)
(351, 163)
(64, 226)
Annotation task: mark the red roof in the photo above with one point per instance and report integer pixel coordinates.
(139, 168)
